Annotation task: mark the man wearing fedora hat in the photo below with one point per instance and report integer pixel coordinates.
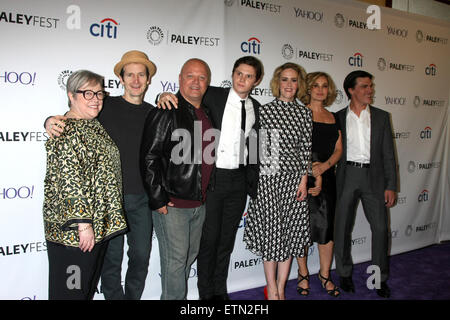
(123, 118)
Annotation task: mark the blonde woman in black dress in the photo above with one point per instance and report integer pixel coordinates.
(277, 225)
(326, 151)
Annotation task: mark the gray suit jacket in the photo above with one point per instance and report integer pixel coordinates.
(383, 169)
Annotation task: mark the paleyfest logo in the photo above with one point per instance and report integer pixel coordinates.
(373, 22)
(63, 77)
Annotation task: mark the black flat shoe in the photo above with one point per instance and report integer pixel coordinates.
(384, 291)
(302, 291)
(333, 292)
(346, 284)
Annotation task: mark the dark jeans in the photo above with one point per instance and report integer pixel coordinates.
(139, 239)
(224, 208)
(73, 274)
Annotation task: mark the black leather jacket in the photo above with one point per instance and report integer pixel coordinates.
(163, 178)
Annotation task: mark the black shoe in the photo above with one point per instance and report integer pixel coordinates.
(346, 284)
(221, 297)
(302, 291)
(384, 290)
(333, 292)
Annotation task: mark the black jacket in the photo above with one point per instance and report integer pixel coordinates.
(215, 100)
(163, 178)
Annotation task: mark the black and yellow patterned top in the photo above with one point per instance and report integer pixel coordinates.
(83, 184)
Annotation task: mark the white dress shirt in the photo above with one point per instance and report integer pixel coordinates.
(230, 135)
(358, 136)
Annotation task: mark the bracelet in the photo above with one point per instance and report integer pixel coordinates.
(85, 228)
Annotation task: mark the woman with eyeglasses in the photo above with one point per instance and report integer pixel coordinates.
(82, 193)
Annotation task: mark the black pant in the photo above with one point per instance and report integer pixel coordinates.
(73, 274)
(224, 208)
(357, 186)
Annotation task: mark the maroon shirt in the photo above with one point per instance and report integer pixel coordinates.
(206, 168)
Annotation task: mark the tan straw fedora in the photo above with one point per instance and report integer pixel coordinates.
(135, 56)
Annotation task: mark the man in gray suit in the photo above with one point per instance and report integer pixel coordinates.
(366, 171)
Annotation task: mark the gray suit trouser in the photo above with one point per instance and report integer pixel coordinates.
(356, 186)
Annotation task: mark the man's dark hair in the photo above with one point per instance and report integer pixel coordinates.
(123, 71)
(251, 61)
(350, 80)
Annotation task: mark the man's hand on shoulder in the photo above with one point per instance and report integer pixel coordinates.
(167, 100)
(55, 125)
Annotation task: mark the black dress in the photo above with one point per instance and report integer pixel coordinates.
(322, 207)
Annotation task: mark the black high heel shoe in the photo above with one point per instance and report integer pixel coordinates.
(333, 292)
(302, 291)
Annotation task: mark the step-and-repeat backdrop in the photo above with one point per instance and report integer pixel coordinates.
(42, 42)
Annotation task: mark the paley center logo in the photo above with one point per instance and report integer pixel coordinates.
(63, 77)
(155, 36)
(420, 37)
(356, 60)
(427, 102)
(373, 21)
(384, 64)
(422, 166)
(107, 28)
(288, 52)
(251, 46)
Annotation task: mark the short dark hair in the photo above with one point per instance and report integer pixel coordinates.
(251, 61)
(350, 80)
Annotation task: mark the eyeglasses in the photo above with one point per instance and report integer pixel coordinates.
(89, 94)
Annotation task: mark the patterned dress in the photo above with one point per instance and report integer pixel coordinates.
(278, 224)
(83, 184)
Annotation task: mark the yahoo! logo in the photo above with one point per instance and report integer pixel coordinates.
(23, 192)
(431, 70)
(252, 45)
(106, 28)
(24, 78)
(356, 60)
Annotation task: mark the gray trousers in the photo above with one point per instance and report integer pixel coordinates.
(179, 233)
(357, 187)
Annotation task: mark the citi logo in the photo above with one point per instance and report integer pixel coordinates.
(431, 70)
(425, 133)
(106, 28)
(252, 46)
(243, 220)
(356, 60)
(423, 196)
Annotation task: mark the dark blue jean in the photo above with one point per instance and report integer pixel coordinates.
(139, 240)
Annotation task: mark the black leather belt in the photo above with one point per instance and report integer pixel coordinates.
(358, 164)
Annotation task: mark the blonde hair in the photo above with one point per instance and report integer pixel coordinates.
(301, 78)
(311, 78)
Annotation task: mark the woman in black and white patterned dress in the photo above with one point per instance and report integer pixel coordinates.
(278, 225)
